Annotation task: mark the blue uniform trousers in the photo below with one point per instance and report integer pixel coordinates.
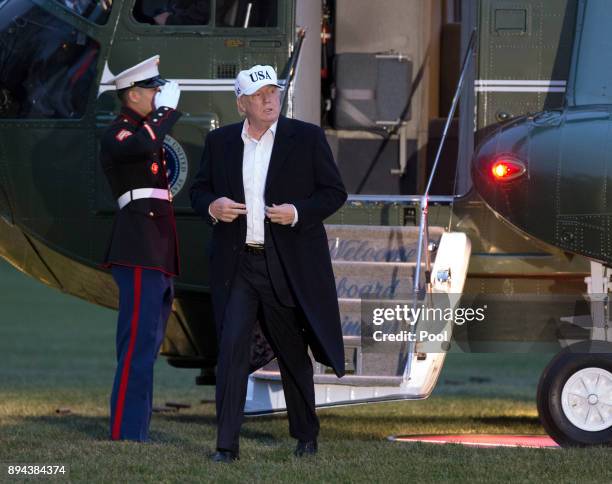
(145, 302)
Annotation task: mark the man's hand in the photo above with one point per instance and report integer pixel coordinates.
(226, 210)
(168, 95)
(281, 214)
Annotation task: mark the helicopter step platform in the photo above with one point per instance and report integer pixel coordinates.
(265, 391)
(380, 267)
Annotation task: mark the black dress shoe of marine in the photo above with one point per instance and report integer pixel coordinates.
(305, 448)
(226, 456)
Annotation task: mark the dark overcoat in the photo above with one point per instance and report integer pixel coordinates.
(301, 172)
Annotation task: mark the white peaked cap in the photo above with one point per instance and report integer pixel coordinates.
(251, 80)
(147, 69)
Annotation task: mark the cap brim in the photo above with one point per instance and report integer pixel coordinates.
(151, 82)
(256, 87)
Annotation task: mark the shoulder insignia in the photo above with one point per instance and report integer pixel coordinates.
(123, 134)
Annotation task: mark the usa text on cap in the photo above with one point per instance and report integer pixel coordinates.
(144, 74)
(251, 80)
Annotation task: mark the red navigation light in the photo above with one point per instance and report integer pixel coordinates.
(506, 169)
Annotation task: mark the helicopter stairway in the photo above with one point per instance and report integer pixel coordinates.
(385, 263)
(371, 263)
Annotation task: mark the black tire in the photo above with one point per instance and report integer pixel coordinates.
(550, 388)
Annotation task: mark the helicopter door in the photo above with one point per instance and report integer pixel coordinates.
(376, 118)
(386, 92)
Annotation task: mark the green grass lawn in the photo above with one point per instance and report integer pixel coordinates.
(57, 352)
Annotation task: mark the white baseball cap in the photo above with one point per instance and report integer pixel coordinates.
(144, 74)
(251, 80)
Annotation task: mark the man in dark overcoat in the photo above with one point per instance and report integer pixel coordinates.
(266, 185)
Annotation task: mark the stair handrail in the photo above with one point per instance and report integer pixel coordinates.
(288, 75)
(423, 241)
(424, 201)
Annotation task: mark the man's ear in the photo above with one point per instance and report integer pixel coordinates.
(239, 106)
(133, 96)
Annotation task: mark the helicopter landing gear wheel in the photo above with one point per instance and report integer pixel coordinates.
(575, 399)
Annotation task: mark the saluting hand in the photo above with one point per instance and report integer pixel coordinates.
(226, 210)
(281, 214)
(168, 95)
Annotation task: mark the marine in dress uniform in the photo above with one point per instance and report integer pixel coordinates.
(266, 185)
(142, 252)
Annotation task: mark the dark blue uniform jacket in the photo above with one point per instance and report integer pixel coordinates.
(131, 153)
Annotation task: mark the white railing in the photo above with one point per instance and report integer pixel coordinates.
(423, 241)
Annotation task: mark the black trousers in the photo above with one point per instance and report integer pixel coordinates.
(252, 297)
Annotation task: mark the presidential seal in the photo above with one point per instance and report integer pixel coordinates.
(177, 165)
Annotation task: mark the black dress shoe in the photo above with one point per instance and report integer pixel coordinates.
(305, 448)
(226, 456)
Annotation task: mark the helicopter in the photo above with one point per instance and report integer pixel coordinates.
(545, 173)
(382, 93)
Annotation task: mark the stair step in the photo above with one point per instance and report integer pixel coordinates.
(354, 380)
(385, 365)
(374, 243)
(383, 280)
(350, 316)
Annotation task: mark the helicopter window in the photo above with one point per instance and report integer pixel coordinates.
(94, 10)
(246, 13)
(47, 67)
(172, 12)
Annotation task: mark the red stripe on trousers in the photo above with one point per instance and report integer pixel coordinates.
(125, 372)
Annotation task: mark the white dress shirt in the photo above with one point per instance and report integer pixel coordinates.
(255, 162)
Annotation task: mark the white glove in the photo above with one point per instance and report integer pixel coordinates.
(168, 95)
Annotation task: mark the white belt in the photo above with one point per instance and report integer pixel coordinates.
(139, 193)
